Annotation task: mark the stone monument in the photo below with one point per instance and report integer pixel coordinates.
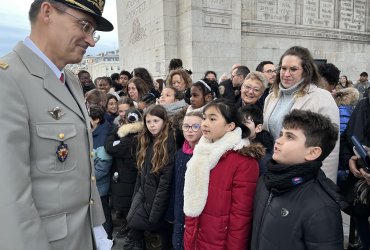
(214, 34)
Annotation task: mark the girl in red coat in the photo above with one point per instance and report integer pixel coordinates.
(220, 182)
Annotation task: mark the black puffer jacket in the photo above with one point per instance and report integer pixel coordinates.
(124, 163)
(305, 217)
(152, 192)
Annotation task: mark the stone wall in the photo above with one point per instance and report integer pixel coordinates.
(214, 34)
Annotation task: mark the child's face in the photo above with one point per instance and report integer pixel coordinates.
(197, 99)
(190, 124)
(249, 123)
(122, 108)
(104, 86)
(154, 124)
(214, 125)
(290, 148)
(112, 106)
(167, 96)
(132, 92)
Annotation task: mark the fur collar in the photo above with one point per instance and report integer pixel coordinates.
(130, 128)
(205, 157)
(346, 96)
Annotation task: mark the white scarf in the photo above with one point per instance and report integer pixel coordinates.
(205, 157)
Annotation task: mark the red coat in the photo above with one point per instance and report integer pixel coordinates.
(226, 220)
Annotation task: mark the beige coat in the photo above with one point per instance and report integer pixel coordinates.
(316, 100)
(45, 204)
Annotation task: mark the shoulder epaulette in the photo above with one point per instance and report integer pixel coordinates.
(3, 65)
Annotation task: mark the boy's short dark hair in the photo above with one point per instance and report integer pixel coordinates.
(363, 74)
(252, 111)
(97, 112)
(318, 129)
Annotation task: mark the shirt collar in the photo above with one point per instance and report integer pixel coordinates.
(32, 46)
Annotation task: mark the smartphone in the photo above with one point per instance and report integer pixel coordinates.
(362, 153)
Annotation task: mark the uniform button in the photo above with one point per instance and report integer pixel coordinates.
(91, 201)
(91, 154)
(93, 178)
(61, 136)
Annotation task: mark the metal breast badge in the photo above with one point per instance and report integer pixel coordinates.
(56, 113)
(62, 149)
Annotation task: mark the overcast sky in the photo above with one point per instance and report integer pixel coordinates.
(14, 26)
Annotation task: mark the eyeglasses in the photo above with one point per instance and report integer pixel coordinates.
(270, 71)
(249, 88)
(87, 27)
(195, 127)
(292, 70)
(232, 76)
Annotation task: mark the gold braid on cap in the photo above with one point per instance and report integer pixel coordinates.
(80, 5)
(98, 3)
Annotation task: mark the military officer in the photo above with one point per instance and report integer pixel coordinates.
(48, 195)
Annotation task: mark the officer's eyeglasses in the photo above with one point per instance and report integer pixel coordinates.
(87, 27)
(195, 127)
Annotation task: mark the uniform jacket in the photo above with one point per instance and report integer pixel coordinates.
(218, 194)
(121, 145)
(152, 192)
(45, 203)
(304, 217)
(316, 100)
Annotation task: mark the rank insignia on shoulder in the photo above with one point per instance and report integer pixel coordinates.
(62, 152)
(3, 65)
(56, 113)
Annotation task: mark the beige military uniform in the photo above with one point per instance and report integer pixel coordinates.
(45, 203)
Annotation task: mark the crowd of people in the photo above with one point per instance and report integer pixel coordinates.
(187, 155)
(250, 161)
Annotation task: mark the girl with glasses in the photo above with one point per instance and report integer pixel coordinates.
(192, 133)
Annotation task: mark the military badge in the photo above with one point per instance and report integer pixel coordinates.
(56, 113)
(62, 152)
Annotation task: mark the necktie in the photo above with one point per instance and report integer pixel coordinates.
(61, 78)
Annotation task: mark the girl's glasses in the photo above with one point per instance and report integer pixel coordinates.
(195, 127)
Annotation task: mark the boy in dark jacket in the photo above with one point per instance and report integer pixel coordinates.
(252, 117)
(296, 206)
(102, 161)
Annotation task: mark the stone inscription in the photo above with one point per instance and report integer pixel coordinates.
(134, 9)
(318, 13)
(352, 15)
(282, 11)
(248, 28)
(219, 4)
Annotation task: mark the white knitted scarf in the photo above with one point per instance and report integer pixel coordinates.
(205, 157)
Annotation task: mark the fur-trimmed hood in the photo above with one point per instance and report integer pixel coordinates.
(254, 150)
(205, 157)
(130, 128)
(346, 96)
